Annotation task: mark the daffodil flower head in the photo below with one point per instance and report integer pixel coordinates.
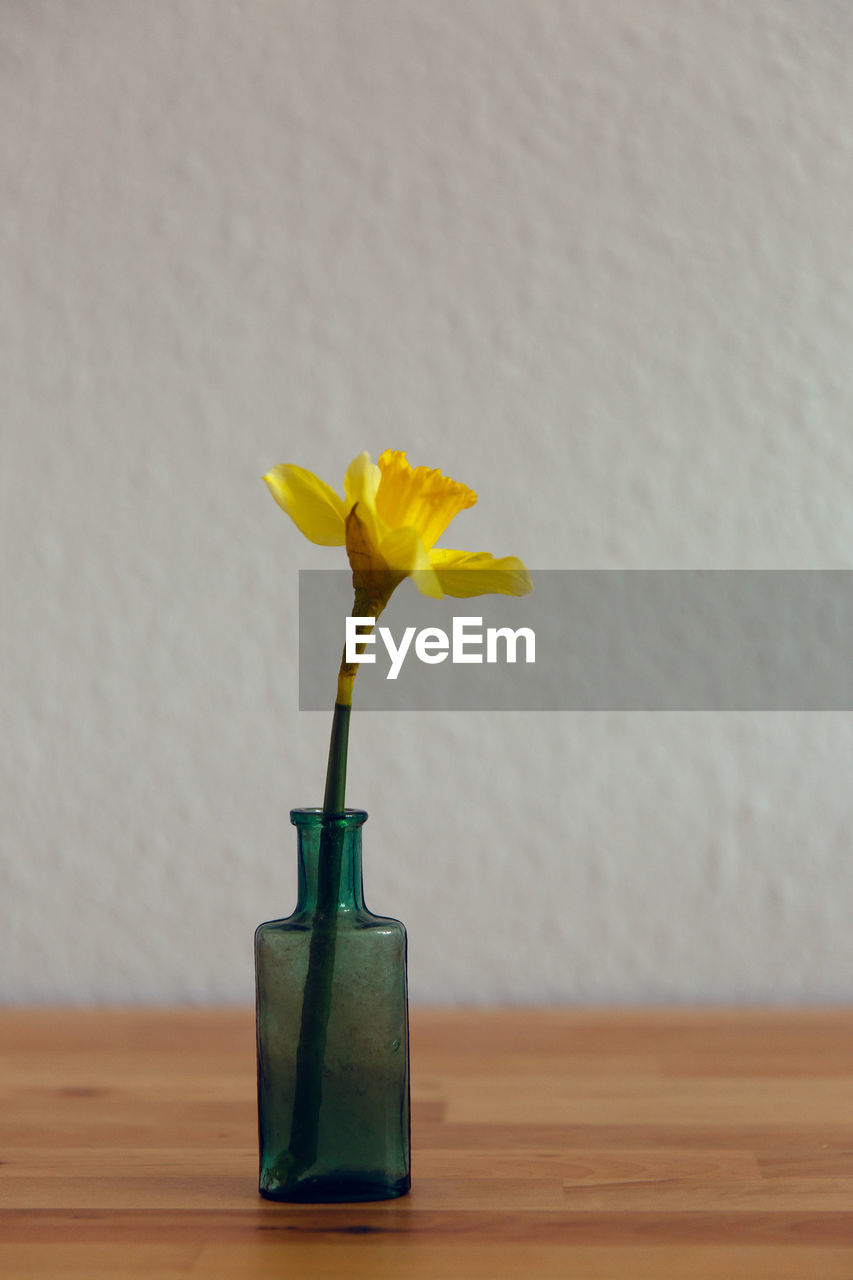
(389, 520)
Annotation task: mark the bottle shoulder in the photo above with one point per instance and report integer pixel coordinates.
(304, 921)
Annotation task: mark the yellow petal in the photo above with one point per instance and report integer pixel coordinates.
(360, 485)
(312, 505)
(476, 573)
(417, 497)
(404, 552)
(361, 481)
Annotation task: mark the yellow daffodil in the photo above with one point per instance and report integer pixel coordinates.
(389, 519)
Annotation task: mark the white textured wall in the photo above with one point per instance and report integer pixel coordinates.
(594, 259)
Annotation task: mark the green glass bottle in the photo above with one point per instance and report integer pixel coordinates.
(332, 1029)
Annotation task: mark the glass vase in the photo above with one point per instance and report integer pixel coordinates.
(332, 1030)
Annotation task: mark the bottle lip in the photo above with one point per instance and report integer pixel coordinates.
(319, 817)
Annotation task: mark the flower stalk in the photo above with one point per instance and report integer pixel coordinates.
(317, 997)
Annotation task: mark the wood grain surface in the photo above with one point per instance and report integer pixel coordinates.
(546, 1143)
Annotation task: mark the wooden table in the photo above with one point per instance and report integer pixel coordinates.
(551, 1143)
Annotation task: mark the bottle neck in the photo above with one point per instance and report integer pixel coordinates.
(329, 865)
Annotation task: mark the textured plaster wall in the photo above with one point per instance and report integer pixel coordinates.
(595, 259)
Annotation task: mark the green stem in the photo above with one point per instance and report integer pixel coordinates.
(336, 770)
(317, 997)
